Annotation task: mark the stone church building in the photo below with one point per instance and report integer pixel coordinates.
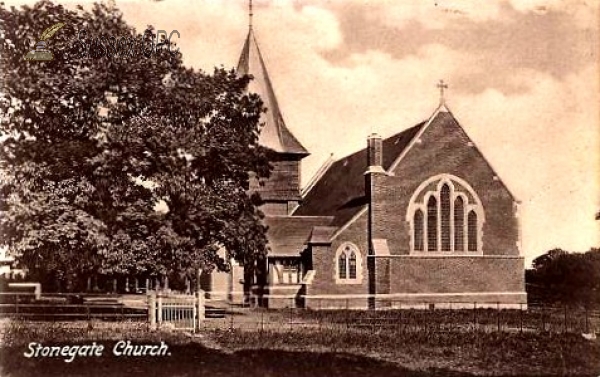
(417, 219)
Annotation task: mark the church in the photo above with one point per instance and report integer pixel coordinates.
(417, 219)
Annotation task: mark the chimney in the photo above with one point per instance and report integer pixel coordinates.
(374, 154)
(373, 176)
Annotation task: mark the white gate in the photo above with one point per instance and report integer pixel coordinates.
(176, 312)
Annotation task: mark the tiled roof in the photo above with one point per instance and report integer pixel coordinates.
(341, 190)
(288, 235)
(322, 234)
(274, 135)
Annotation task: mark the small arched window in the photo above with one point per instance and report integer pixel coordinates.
(418, 230)
(343, 265)
(459, 224)
(432, 224)
(352, 266)
(472, 231)
(445, 215)
(348, 264)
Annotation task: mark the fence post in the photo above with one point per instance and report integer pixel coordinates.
(498, 316)
(520, 317)
(160, 311)
(587, 323)
(543, 320)
(401, 317)
(17, 303)
(566, 327)
(262, 321)
(200, 307)
(152, 310)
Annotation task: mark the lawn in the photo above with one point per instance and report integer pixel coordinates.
(299, 352)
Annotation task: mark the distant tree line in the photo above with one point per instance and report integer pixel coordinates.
(562, 278)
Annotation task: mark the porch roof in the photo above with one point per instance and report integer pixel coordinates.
(288, 235)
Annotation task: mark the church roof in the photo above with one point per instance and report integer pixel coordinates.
(341, 190)
(288, 235)
(274, 134)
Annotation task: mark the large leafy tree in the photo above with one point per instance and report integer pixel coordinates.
(560, 277)
(96, 138)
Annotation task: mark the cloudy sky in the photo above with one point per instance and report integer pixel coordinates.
(523, 75)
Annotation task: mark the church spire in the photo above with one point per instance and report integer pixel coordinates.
(250, 14)
(274, 134)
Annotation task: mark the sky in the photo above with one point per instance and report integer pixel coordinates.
(523, 78)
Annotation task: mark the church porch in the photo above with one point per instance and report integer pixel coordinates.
(285, 276)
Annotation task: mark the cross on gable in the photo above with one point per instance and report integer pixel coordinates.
(442, 86)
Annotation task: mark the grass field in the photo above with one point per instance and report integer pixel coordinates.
(300, 352)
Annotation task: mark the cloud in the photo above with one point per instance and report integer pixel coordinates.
(553, 41)
(523, 81)
(544, 143)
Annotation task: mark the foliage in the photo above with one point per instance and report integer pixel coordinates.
(95, 139)
(566, 278)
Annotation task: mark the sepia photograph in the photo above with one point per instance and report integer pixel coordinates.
(299, 188)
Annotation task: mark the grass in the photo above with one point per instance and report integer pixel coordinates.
(300, 351)
(478, 353)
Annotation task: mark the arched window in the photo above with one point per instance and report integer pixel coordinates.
(432, 224)
(343, 265)
(459, 224)
(352, 266)
(348, 264)
(418, 230)
(472, 231)
(445, 215)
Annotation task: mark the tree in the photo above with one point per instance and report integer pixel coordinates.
(115, 124)
(559, 277)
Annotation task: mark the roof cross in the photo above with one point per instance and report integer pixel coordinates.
(441, 86)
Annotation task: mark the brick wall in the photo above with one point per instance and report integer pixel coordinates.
(458, 274)
(323, 260)
(444, 148)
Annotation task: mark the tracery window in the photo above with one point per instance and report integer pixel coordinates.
(348, 264)
(418, 230)
(472, 224)
(432, 224)
(343, 265)
(445, 215)
(459, 224)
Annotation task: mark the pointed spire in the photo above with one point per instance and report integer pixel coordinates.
(250, 14)
(274, 134)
